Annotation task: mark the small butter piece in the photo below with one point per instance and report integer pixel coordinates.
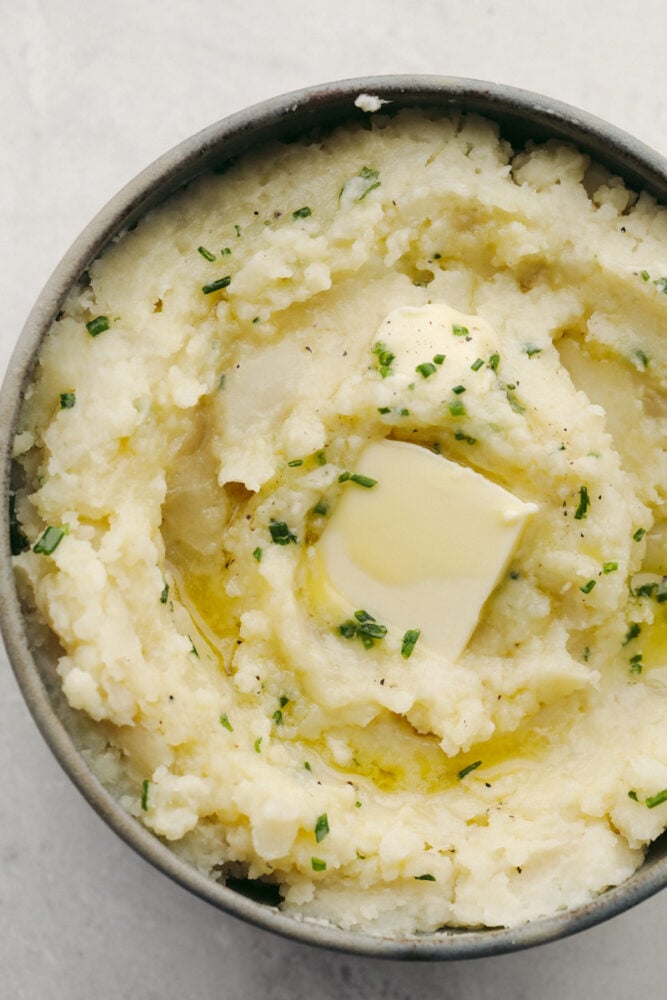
(422, 549)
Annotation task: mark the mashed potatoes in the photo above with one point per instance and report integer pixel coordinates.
(225, 385)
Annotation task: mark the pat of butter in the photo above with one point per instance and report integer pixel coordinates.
(422, 549)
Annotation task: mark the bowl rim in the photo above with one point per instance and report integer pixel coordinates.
(291, 114)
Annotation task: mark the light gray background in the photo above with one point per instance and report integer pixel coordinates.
(90, 92)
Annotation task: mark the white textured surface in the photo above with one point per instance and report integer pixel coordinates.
(90, 92)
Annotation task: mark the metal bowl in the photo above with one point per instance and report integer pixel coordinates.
(521, 116)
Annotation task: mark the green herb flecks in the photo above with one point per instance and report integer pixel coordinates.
(320, 458)
(164, 595)
(633, 795)
(438, 359)
(584, 503)
(17, 540)
(531, 350)
(409, 642)
(458, 389)
(321, 508)
(427, 877)
(217, 285)
(258, 745)
(609, 567)
(98, 325)
(206, 254)
(385, 358)
(257, 554)
(656, 800)
(639, 534)
(456, 408)
(356, 477)
(636, 663)
(639, 359)
(425, 369)
(587, 587)
(365, 627)
(50, 540)
(67, 400)
(632, 633)
(318, 865)
(237, 230)
(512, 399)
(277, 717)
(467, 770)
(493, 362)
(661, 284)
(145, 785)
(221, 381)
(194, 651)
(225, 723)
(295, 463)
(477, 364)
(302, 213)
(321, 828)
(468, 438)
(460, 331)
(225, 252)
(281, 534)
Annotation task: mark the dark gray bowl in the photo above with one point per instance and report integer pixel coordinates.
(521, 116)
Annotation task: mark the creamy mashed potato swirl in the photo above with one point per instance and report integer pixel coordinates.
(195, 417)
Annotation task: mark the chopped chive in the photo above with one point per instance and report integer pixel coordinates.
(661, 284)
(636, 664)
(644, 275)
(281, 534)
(320, 457)
(98, 325)
(50, 540)
(587, 587)
(283, 700)
(633, 795)
(225, 252)
(409, 642)
(460, 331)
(67, 400)
(368, 174)
(385, 358)
(640, 359)
(360, 480)
(609, 567)
(425, 369)
(655, 800)
(144, 794)
(458, 389)
(466, 770)
(477, 364)
(460, 436)
(237, 230)
(206, 254)
(295, 463)
(456, 408)
(438, 359)
(256, 320)
(302, 213)
(216, 286)
(165, 594)
(427, 877)
(384, 409)
(512, 400)
(344, 476)
(194, 651)
(357, 804)
(639, 534)
(221, 381)
(321, 828)
(321, 507)
(257, 554)
(493, 362)
(531, 350)
(584, 504)
(646, 590)
(307, 766)
(318, 865)
(632, 633)
(224, 721)
(403, 412)
(277, 717)
(258, 745)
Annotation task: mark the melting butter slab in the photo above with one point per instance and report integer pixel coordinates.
(423, 548)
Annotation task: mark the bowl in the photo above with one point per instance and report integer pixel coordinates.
(521, 116)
